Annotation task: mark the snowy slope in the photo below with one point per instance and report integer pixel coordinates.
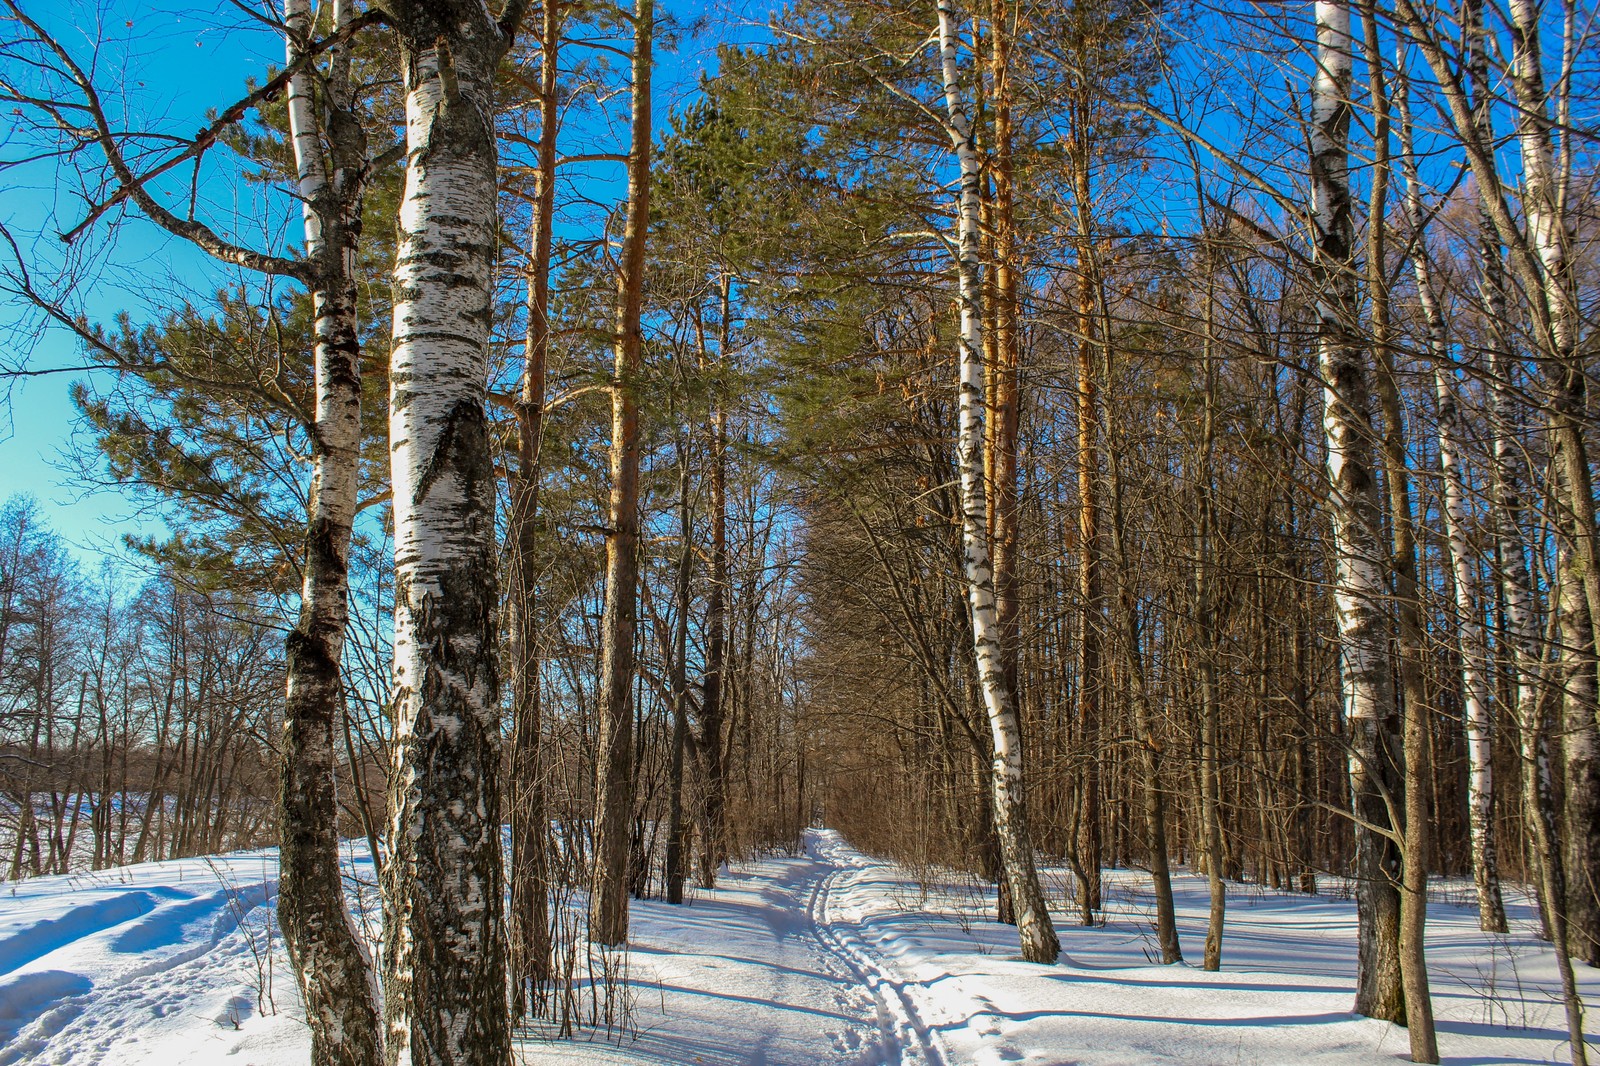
(826, 957)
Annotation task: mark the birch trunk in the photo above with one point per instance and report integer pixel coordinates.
(1037, 934)
(528, 920)
(1550, 234)
(1472, 639)
(444, 934)
(331, 964)
(1359, 587)
(608, 906)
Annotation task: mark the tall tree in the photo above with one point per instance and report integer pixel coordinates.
(1039, 943)
(529, 922)
(614, 792)
(1360, 590)
(330, 959)
(444, 934)
(1414, 836)
(1472, 638)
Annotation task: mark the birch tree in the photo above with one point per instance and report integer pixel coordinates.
(1472, 639)
(1365, 669)
(329, 150)
(330, 959)
(444, 936)
(1039, 943)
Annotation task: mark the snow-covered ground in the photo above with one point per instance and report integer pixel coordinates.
(826, 957)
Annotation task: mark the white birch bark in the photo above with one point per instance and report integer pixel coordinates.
(445, 944)
(1039, 943)
(335, 974)
(1359, 587)
(1472, 637)
(1550, 235)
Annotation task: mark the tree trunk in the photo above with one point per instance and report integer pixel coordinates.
(1403, 568)
(529, 919)
(1206, 668)
(1090, 657)
(1150, 744)
(1039, 943)
(608, 906)
(1544, 203)
(336, 978)
(677, 865)
(714, 686)
(1473, 643)
(1359, 587)
(444, 934)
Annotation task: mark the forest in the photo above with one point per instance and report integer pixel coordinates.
(590, 449)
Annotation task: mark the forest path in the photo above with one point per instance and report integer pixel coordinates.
(767, 968)
(906, 1037)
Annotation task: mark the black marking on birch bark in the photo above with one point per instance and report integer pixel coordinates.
(463, 412)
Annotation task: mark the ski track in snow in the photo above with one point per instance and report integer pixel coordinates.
(75, 986)
(906, 1037)
(829, 956)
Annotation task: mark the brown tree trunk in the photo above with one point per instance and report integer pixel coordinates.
(528, 918)
(614, 792)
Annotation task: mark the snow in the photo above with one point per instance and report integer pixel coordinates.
(829, 956)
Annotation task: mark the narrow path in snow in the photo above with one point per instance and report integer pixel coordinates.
(906, 1037)
(768, 968)
(130, 953)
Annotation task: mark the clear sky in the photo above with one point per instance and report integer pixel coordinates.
(164, 63)
(167, 62)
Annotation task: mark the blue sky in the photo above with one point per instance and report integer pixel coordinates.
(167, 63)
(168, 67)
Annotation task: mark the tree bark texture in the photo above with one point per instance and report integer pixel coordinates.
(330, 960)
(608, 899)
(1360, 591)
(444, 932)
(1034, 927)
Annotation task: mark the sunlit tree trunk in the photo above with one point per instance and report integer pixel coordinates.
(337, 981)
(444, 932)
(1360, 591)
(1091, 658)
(608, 901)
(1003, 368)
(1037, 933)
